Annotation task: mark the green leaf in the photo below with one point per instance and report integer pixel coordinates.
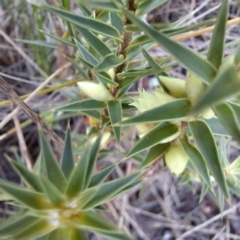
(28, 177)
(78, 176)
(228, 118)
(160, 134)
(53, 194)
(40, 43)
(216, 127)
(109, 61)
(185, 56)
(206, 144)
(52, 168)
(116, 21)
(107, 190)
(67, 161)
(148, 6)
(204, 191)
(85, 22)
(226, 84)
(38, 229)
(93, 114)
(93, 221)
(197, 159)
(154, 153)
(216, 48)
(17, 226)
(94, 41)
(26, 197)
(115, 114)
(236, 108)
(101, 176)
(92, 160)
(103, 5)
(174, 110)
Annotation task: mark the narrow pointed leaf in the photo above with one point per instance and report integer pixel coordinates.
(67, 161)
(85, 22)
(116, 21)
(89, 104)
(95, 42)
(92, 113)
(52, 168)
(78, 176)
(17, 226)
(22, 195)
(228, 118)
(226, 84)
(93, 221)
(216, 48)
(28, 177)
(67, 233)
(236, 108)
(108, 190)
(109, 61)
(174, 110)
(197, 159)
(40, 43)
(115, 114)
(185, 56)
(154, 153)
(206, 144)
(159, 134)
(216, 127)
(101, 176)
(53, 194)
(92, 160)
(148, 6)
(38, 229)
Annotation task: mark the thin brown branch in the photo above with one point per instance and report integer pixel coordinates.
(6, 88)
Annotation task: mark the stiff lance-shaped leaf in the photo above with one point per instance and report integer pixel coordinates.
(38, 229)
(17, 226)
(27, 176)
(67, 161)
(185, 56)
(93, 221)
(77, 179)
(170, 111)
(40, 43)
(108, 190)
(236, 108)
(226, 84)
(204, 191)
(116, 21)
(98, 45)
(216, 127)
(92, 160)
(93, 114)
(52, 168)
(154, 153)
(85, 22)
(161, 133)
(89, 104)
(26, 197)
(216, 48)
(148, 6)
(197, 159)
(206, 144)
(101, 176)
(53, 194)
(115, 114)
(228, 118)
(101, 4)
(109, 61)
(67, 233)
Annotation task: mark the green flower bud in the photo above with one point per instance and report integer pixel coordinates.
(208, 113)
(176, 159)
(193, 87)
(175, 86)
(96, 91)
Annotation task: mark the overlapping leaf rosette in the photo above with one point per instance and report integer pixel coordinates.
(62, 201)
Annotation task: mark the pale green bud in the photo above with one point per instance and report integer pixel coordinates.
(193, 87)
(176, 159)
(208, 113)
(96, 91)
(175, 86)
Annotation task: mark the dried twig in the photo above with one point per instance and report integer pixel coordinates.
(34, 93)
(5, 87)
